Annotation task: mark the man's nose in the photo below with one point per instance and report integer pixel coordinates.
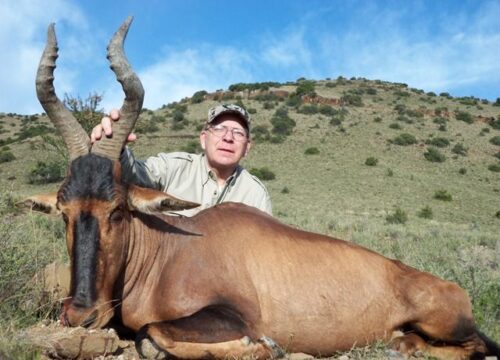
(228, 136)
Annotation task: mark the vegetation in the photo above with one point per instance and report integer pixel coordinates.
(464, 116)
(397, 217)
(336, 199)
(311, 151)
(442, 195)
(263, 173)
(371, 161)
(433, 155)
(404, 139)
(46, 173)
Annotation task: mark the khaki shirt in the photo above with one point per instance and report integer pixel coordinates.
(187, 176)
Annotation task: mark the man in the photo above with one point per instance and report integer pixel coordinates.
(209, 178)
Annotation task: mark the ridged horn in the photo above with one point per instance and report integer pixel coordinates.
(134, 96)
(77, 141)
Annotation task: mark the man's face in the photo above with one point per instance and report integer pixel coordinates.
(223, 151)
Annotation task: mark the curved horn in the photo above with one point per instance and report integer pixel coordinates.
(134, 95)
(77, 141)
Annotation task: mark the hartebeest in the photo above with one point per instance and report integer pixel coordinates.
(230, 281)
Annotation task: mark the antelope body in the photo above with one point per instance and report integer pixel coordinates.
(230, 281)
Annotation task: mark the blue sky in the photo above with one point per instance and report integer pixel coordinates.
(178, 47)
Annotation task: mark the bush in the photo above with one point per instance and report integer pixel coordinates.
(459, 149)
(192, 147)
(495, 140)
(198, 97)
(494, 167)
(263, 173)
(6, 156)
(308, 109)
(395, 126)
(311, 151)
(285, 190)
(260, 133)
(252, 111)
(462, 171)
(44, 173)
(464, 116)
(327, 110)
(497, 214)
(305, 87)
(352, 99)
(440, 120)
(438, 142)
(404, 139)
(497, 155)
(433, 155)
(397, 217)
(378, 119)
(371, 161)
(425, 213)
(442, 195)
(282, 123)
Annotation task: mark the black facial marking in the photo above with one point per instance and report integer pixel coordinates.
(91, 177)
(85, 247)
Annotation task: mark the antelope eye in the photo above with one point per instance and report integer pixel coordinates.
(116, 216)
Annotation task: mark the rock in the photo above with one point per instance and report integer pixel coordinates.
(72, 343)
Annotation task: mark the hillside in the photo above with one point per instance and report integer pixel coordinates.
(413, 175)
(347, 121)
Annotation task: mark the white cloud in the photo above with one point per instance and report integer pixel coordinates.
(22, 36)
(180, 73)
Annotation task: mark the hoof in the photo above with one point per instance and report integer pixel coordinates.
(276, 351)
(147, 349)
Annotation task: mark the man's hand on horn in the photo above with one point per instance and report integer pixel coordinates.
(106, 127)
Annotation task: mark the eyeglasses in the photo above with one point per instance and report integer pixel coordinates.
(221, 131)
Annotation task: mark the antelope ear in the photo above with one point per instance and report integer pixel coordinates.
(151, 201)
(45, 203)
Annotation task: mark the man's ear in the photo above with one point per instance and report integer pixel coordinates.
(203, 137)
(249, 146)
(151, 201)
(45, 203)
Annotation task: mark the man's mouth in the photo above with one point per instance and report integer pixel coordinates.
(226, 150)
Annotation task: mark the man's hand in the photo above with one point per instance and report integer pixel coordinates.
(106, 127)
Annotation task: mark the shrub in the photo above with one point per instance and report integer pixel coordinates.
(327, 110)
(497, 102)
(464, 116)
(459, 149)
(494, 167)
(305, 87)
(263, 173)
(404, 139)
(442, 195)
(425, 213)
(285, 190)
(371, 161)
(252, 111)
(192, 147)
(440, 120)
(497, 214)
(497, 155)
(352, 99)
(495, 124)
(378, 119)
(282, 123)
(311, 151)
(495, 140)
(308, 109)
(395, 126)
(268, 105)
(44, 173)
(438, 142)
(371, 91)
(6, 156)
(433, 155)
(145, 127)
(198, 97)
(389, 173)
(260, 133)
(293, 100)
(397, 217)
(462, 171)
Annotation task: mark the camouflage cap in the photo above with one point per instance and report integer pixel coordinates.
(220, 109)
